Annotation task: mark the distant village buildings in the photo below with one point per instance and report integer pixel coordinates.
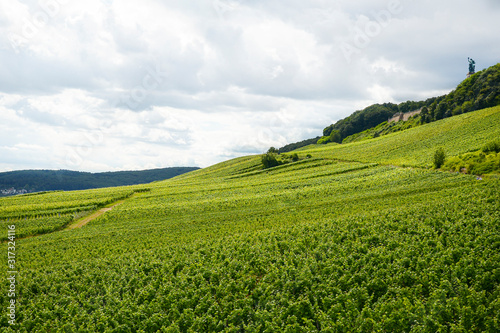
(13, 191)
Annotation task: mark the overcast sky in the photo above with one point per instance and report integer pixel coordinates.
(103, 85)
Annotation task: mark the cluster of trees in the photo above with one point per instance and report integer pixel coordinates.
(358, 122)
(273, 158)
(53, 180)
(297, 145)
(480, 91)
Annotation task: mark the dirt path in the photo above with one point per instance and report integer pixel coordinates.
(84, 220)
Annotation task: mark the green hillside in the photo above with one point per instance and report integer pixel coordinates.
(415, 146)
(479, 91)
(348, 240)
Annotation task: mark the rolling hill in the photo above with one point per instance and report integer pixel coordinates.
(359, 237)
(479, 91)
(66, 180)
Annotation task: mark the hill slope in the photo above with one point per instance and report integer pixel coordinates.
(415, 146)
(316, 245)
(479, 91)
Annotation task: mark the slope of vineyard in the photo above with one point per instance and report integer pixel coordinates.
(344, 241)
(415, 146)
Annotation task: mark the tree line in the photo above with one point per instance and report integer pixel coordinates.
(66, 180)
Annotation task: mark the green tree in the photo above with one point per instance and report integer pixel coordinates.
(272, 150)
(439, 157)
(335, 136)
(269, 160)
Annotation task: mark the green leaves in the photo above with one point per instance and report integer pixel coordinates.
(439, 157)
(318, 245)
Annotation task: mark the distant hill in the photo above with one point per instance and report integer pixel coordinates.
(25, 181)
(481, 90)
(293, 146)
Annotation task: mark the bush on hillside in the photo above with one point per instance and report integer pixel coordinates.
(491, 147)
(323, 140)
(334, 136)
(269, 160)
(439, 158)
(476, 163)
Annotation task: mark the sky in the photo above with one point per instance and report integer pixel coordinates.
(106, 85)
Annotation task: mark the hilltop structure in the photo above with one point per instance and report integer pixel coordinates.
(472, 67)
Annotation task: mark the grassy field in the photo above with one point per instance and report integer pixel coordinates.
(363, 237)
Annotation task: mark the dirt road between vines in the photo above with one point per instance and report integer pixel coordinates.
(84, 220)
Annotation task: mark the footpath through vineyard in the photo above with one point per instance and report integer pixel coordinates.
(84, 220)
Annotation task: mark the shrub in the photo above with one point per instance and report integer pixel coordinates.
(269, 160)
(295, 157)
(333, 137)
(323, 140)
(490, 147)
(455, 163)
(477, 163)
(439, 158)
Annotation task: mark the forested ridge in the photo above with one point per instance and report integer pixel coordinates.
(66, 180)
(479, 91)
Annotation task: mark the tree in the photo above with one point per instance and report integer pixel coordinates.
(335, 136)
(439, 157)
(269, 160)
(272, 150)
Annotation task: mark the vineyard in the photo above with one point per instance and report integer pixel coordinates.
(361, 237)
(415, 146)
(50, 211)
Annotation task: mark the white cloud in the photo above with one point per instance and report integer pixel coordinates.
(114, 85)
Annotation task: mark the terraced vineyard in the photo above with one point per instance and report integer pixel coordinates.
(346, 241)
(415, 146)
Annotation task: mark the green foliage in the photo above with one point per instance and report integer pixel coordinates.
(439, 157)
(272, 150)
(319, 245)
(360, 121)
(297, 145)
(415, 146)
(481, 90)
(323, 140)
(384, 129)
(295, 157)
(477, 163)
(52, 211)
(334, 136)
(269, 160)
(491, 147)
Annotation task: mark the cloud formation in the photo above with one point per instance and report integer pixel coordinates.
(113, 85)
